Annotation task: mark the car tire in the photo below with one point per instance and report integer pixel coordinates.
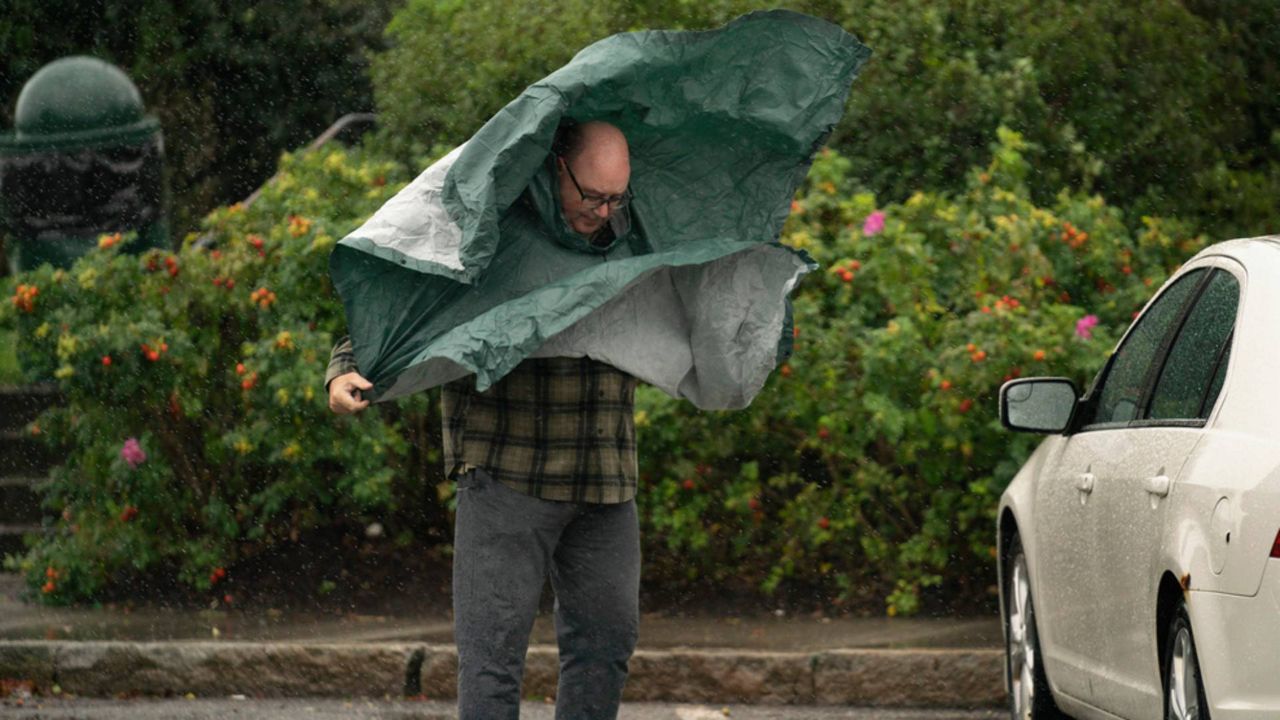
(1029, 695)
(1184, 697)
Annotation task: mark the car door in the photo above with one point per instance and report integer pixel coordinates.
(1134, 481)
(1070, 501)
(1064, 601)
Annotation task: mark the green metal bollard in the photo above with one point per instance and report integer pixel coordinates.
(83, 160)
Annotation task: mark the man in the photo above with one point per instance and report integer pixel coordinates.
(545, 462)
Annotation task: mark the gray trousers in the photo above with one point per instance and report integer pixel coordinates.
(505, 544)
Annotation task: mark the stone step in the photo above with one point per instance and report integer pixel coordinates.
(20, 404)
(22, 454)
(19, 501)
(11, 537)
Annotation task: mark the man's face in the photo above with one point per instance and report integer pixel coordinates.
(598, 173)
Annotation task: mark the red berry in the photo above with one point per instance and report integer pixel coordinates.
(824, 523)
(106, 359)
(824, 433)
(688, 483)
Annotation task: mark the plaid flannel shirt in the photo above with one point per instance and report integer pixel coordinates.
(554, 428)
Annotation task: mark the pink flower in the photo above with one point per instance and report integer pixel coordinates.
(132, 453)
(1085, 325)
(874, 224)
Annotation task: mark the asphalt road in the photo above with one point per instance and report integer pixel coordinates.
(297, 709)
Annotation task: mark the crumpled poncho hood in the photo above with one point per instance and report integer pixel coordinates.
(470, 269)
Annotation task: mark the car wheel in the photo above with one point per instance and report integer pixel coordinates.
(1183, 687)
(1029, 694)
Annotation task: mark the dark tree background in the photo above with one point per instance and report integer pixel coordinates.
(234, 82)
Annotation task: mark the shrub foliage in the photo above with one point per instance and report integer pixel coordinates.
(870, 467)
(867, 471)
(196, 431)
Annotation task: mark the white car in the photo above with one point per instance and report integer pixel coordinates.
(1140, 543)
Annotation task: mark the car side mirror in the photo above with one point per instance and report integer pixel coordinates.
(1038, 405)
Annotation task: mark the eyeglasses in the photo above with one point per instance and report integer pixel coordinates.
(593, 202)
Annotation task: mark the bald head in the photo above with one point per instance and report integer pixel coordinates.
(596, 135)
(595, 163)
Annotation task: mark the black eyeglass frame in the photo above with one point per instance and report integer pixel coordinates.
(595, 202)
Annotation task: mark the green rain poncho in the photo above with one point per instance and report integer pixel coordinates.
(471, 267)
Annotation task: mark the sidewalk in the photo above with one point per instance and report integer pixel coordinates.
(773, 659)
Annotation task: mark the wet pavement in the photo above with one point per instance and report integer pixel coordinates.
(206, 709)
(20, 620)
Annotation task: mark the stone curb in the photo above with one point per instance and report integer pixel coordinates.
(885, 678)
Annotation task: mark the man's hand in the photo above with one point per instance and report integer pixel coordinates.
(344, 393)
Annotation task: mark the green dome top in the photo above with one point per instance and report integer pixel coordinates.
(77, 94)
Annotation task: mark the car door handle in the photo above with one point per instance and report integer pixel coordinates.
(1158, 485)
(1084, 482)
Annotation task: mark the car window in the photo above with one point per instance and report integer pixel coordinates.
(1211, 396)
(1122, 387)
(1197, 356)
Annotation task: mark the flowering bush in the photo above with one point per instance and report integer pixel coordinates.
(868, 471)
(196, 430)
(870, 467)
